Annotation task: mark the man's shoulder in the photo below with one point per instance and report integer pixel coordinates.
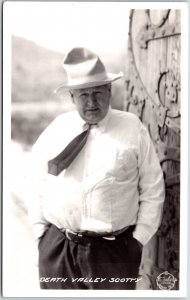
(124, 117)
(57, 127)
(65, 117)
(126, 125)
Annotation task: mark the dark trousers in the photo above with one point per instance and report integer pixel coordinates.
(88, 262)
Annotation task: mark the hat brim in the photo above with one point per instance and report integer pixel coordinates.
(109, 78)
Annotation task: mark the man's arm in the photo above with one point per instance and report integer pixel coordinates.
(38, 175)
(37, 183)
(151, 189)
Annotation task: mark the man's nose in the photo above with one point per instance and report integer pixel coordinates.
(92, 99)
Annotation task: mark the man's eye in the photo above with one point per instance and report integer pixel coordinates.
(98, 94)
(83, 96)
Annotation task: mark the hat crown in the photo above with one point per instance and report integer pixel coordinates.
(85, 69)
(82, 63)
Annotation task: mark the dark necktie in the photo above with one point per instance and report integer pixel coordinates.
(65, 158)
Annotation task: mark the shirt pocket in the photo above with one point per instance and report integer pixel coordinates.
(117, 165)
(126, 164)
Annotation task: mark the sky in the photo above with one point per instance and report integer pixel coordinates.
(100, 26)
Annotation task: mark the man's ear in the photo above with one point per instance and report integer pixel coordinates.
(72, 96)
(109, 89)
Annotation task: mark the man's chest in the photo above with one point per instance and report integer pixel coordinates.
(106, 156)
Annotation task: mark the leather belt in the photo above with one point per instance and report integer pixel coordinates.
(91, 234)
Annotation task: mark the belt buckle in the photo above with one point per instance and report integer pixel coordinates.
(109, 238)
(68, 231)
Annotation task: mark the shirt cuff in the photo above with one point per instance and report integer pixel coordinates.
(142, 234)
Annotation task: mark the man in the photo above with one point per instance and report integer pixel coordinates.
(99, 187)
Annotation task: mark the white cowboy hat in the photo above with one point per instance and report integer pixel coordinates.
(85, 69)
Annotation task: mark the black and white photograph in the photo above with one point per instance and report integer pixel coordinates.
(94, 149)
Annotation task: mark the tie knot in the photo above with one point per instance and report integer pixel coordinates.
(87, 126)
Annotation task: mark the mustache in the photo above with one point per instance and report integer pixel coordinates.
(92, 107)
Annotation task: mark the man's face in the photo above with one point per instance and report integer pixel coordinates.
(92, 103)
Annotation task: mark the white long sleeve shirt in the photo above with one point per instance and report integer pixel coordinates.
(115, 181)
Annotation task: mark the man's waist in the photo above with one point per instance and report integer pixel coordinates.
(106, 235)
